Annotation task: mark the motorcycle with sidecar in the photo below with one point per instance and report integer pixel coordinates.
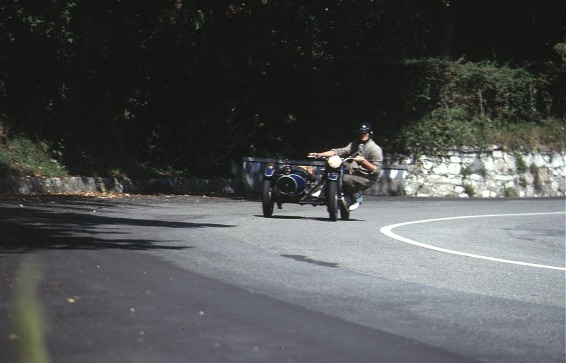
(293, 184)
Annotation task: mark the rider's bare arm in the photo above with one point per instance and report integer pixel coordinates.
(327, 154)
(365, 163)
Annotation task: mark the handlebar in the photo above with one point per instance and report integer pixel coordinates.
(349, 158)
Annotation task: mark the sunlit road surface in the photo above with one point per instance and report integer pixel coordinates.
(195, 279)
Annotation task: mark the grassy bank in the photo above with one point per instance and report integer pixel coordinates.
(20, 156)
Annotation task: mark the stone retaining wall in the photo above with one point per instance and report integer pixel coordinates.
(463, 173)
(15, 185)
(491, 173)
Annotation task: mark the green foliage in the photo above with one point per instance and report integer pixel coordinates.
(30, 323)
(478, 104)
(509, 192)
(560, 48)
(488, 92)
(22, 157)
(537, 181)
(436, 132)
(469, 190)
(520, 163)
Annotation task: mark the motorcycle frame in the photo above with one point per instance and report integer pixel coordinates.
(330, 175)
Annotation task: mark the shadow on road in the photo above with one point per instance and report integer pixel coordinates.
(320, 219)
(71, 222)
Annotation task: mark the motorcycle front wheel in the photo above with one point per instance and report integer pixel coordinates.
(267, 199)
(344, 211)
(332, 201)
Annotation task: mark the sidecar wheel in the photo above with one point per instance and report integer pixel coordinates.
(333, 201)
(267, 199)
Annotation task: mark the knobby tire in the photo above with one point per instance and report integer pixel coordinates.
(267, 199)
(333, 201)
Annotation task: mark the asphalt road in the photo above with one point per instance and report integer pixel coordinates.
(196, 279)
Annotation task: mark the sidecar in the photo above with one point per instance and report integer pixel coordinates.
(288, 184)
(294, 184)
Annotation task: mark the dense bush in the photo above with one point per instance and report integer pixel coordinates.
(477, 104)
(22, 157)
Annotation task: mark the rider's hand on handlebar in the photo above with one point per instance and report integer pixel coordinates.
(314, 155)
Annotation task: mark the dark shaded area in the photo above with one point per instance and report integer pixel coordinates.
(310, 260)
(320, 219)
(507, 30)
(69, 223)
(185, 87)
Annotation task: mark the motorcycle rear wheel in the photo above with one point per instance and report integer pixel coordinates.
(267, 199)
(332, 201)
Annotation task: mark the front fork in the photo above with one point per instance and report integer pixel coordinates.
(342, 198)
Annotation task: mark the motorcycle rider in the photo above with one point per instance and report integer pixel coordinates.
(366, 165)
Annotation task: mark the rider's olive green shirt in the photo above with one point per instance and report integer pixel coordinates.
(371, 152)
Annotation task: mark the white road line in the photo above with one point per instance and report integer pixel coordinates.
(387, 230)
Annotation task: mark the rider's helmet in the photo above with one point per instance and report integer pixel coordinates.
(365, 128)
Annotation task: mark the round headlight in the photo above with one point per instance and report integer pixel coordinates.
(335, 161)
